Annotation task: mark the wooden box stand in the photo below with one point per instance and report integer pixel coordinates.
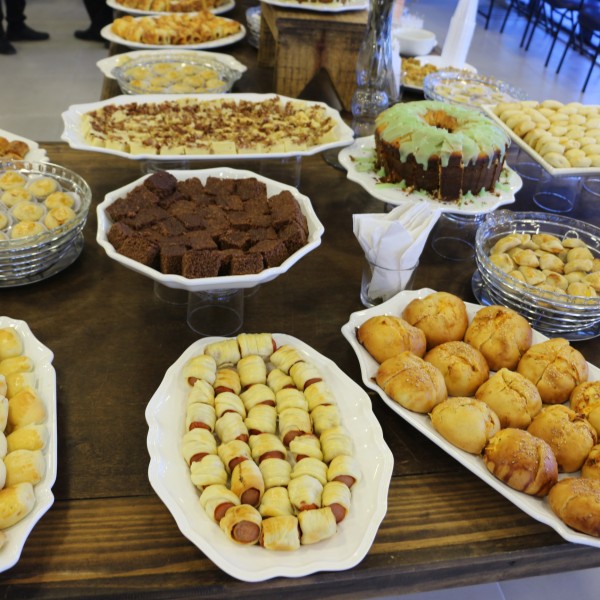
(298, 43)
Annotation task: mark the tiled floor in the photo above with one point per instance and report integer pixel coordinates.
(44, 78)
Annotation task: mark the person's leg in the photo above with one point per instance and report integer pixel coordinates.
(100, 15)
(16, 29)
(6, 47)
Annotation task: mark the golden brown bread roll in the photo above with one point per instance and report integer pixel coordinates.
(11, 343)
(591, 467)
(441, 316)
(522, 461)
(384, 336)
(501, 335)
(24, 465)
(585, 400)
(464, 368)
(512, 397)
(16, 502)
(569, 435)
(465, 422)
(25, 408)
(576, 501)
(555, 368)
(411, 382)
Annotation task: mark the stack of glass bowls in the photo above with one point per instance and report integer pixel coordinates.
(29, 259)
(554, 314)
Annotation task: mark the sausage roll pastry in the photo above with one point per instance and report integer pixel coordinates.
(203, 392)
(276, 503)
(313, 467)
(197, 443)
(25, 408)
(16, 364)
(261, 419)
(231, 426)
(259, 393)
(324, 417)
(284, 357)
(16, 502)
(227, 380)
(216, 500)
(278, 380)
(293, 422)
(290, 398)
(11, 343)
(316, 525)
(225, 352)
(252, 369)
(334, 442)
(242, 524)
(17, 382)
(30, 437)
(201, 367)
(234, 452)
(266, 445)
(275, 471)
(305, 492)
(345, 469)
(200, 416)
(24, 466)
(262, 344)
(208, 471)
(247, 482)
(229, 402)
(318, 393)
(280, 533)
(306, 445)
(304, 374)
(338, 497)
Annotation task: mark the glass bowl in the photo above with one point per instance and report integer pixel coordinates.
(555, 314)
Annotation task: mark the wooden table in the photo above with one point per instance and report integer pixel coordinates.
(109, 536)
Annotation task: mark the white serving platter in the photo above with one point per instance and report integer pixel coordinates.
(116, 5)
(538, 508)
(35, 154)
(169, 476)
(326, 7)
(436, 61)
(46, 387)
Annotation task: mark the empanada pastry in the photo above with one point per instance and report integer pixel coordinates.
(196, 444)
(290, 398)
(16, 502)
(262, 418)
(229, 402)
(385, 336)
(24, 466)
(310, 466)
(305, 492)
(316, 525)
(276, 472)
(262, 344)
(201, 367)
(285, 356)
(252, 369)
(304, 374)
(325, 416)
(335, 442)
(234, 452)
(208, 471)
(25, 408)
(266, 445)
(247, 482)
(337, 496)
(345, 469)
(259, 393)
(242, 524)
(231, 426)
(227, 380)
(576, 501)
(276, 502)
(224, 352)
(293, 422)
(216, 500)
(280, 533)
(200, 416)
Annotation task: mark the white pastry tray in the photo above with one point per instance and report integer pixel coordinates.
(116, 5)
(35, 154)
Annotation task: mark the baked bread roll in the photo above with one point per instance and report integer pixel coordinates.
(576, 501)
(441, 316)
(285, 357)
(3, 412)
(242, 524)
(524, 462)
(266, 445)
(16, 364)
(17, 382)
(384, 336)
(25, 408)
(229, 402)
(11, 343)
(280, 533)
(317, 394)
(277, 380)
(304, 374)
(512, 397)
(501, 335)
(464, 368)
(200, 416)
(591, 467)
(569, 435)
(411, 382)
(336, 442)
(465, 422)
(585, 400)
(16, 502)
(555, 368)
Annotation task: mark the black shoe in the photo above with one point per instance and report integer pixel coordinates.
(6, 47)
(89, 35)
(25, 34)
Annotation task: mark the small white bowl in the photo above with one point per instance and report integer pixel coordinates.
(415, 42)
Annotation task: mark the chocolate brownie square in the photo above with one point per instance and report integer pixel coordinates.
(226, 256)
(199, 240)
(250, 187)
(171, 256)
(142, 197)
(192, 220)
(122, 208)
(167, 202)
(285, 210)
(200, 263)
(245, 264)
(140, 249)
(146, 217)
(218, 186)
(118, 233)
(190, 188)
(182, 206)
(229, 202)
(170, 227)
(162, 183)
(257, 205)
(234, 239)
(262, 233)
(274, 252)
(293, 236)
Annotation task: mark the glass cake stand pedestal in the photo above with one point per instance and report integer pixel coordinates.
(453, 237)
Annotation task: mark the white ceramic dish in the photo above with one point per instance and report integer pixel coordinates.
(321, 6)
(357, 160)
(538, 508)
(35, 154)
(136, 11)
(44, 498)
(415, 42)
(587, 171)
(436, 62)
(108, 35)
(169, 476)
(315, 231)
(73, 135)
(106, 65)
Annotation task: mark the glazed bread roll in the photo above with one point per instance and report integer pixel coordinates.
(585, 400)
(465, 422)
(569, 435)
(591, 467)
(524, 462)
(384, 336)
(25, 408)
(576, 501)
(512, 397)
(280, 533)
(10, 343)
(16, 502)
(555, 368)
(411, 382)
(501, 335)
(441, 316)
(464, 368)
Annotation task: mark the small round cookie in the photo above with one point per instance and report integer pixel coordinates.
(25, 229)
(555, 368)
(28, 211)
(12, 179)
(591, 467)
(465, 422)
(585, 400)
(512, 397)
(15, 195)
(576, 501)
(501, 335)
(384, 336)
(464, 368)
(441, 316)
(569, 435)
(524, 462)
(59, 199)
(43, 187)
(411, 382)
(58, 216)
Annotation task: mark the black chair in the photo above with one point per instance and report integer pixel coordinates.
(486, 13)
(524, 8)
(585, 38)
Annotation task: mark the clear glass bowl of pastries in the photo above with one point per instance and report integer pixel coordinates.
(544, 266)
(175, 74)
(43, 208)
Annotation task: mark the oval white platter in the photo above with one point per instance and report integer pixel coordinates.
(116, 5)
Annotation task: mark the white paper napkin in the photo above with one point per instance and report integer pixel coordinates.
(460, 34)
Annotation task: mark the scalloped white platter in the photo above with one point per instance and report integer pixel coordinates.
(72, 132)
(116, 5)
(537, 508)
(35, 154)
(356, 159)
(436, 61)
(45, 374)
(169, 476)
(315, 232)
(325, 7)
